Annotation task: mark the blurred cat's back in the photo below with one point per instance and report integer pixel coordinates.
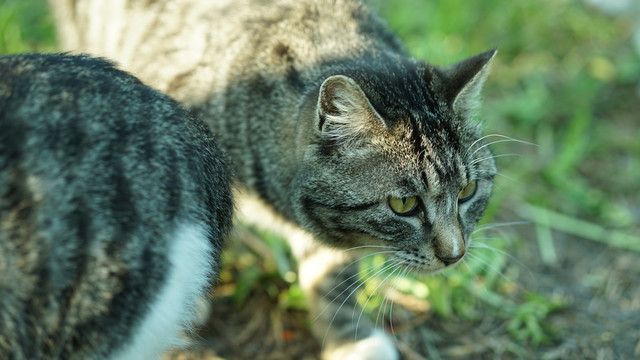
(114, 204)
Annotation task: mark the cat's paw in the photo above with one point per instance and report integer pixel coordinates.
(378, 346)
(202, 310)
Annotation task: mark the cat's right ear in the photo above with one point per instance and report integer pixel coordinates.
(344, 111)
(464, 81)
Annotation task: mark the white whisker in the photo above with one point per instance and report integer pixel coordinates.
(394, 262)
(361, 271)
(509, 178)
(508, 138)
(385, 302)
(403, 275)
(493, 143)
(481, 245)
(465, 262)
(359, 284)
(477, 141)
(484, 238)
(505, 139)
(371, 246)
(497, 225)
(356, 275)
(370, 296)
(477, 258)
(476, 161)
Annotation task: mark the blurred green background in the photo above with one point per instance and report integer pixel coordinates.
(566, 80)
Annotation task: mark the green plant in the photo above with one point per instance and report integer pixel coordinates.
(25, 26)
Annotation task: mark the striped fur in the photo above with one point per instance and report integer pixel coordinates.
(325, 118)
(101, 178)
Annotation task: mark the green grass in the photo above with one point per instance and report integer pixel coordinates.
(565, 79)
(25, 26)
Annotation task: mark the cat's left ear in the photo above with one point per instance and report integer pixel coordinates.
(464, 81)
(344, 111)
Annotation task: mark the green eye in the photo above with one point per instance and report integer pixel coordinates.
(403, 206)
(468, 192)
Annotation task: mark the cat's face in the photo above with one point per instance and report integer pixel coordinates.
(410, 183)
(422, 204)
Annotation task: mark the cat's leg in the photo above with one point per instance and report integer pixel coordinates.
(323, 274)
(329, 278)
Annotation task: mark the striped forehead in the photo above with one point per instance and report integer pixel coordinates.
(438, 156)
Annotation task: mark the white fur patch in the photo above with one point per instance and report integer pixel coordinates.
(190, 259)
(378, 346)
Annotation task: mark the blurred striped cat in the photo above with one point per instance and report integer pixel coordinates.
(114, 203)
(330, 125)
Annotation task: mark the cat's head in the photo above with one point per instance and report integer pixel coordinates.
(397, 160)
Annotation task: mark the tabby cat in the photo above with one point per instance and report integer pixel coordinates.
(328, 123)
(114, 203)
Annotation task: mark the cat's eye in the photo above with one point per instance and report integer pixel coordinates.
(468, 192)
(404, 206)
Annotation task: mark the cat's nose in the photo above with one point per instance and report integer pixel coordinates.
(450, 260)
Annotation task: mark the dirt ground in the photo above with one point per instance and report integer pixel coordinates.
(600, 284)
